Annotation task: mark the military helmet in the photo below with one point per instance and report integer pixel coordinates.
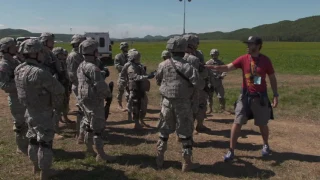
(31, 46)
(177, 44)
(57, 50)
(123, 45)
(197, 39)
(88, 47)
(65, 52)
(77, 38)
(46, 36)
(214, 51)
(191, 39)
(6, 43)
(133, 54)
(165, 53)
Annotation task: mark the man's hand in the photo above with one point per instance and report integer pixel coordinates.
(275, 102)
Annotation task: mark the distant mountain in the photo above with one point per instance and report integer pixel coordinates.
(304, 29)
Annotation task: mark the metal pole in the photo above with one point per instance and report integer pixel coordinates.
(184, 17)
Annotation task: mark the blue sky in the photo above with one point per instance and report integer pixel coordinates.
(137, 18)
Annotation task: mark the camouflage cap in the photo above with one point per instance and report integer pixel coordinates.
(177, 44)
(165, 53)
(133, 54)
(6, 43)
(57, 50)
(191, 39)
(46, 36)
(123, 45)
(77, 38)
(88, 47)
(30, 46)
(214, 51)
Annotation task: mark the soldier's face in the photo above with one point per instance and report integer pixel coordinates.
(215, 56)
(50, 44)
(125, 49)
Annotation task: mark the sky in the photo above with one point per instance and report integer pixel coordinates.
(138, 18)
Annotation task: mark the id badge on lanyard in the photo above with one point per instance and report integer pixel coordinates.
(253, 70)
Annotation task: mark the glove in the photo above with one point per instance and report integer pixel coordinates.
(151, 75)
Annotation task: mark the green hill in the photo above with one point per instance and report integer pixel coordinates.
(304, 29)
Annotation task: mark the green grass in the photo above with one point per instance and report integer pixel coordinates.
(287, 57)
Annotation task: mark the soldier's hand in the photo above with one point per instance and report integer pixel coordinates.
(151, 75)
(107, 72)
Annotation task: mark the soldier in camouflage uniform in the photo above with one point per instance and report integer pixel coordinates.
(40, 93)
(137, 80)
(54, 66)
(7, 65)
(199, 96)
(119, 61)
(62, 54)
(92, 91)
(164, 55)
(73, 61)
(177, 80)
(217, 86)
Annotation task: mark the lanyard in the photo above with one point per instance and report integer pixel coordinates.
(254, 70)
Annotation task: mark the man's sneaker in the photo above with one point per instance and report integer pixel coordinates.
(265, 150)
(229, 156)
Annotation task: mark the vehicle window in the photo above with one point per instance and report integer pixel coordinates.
(101, 42)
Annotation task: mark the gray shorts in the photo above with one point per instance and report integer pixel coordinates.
(261, 114)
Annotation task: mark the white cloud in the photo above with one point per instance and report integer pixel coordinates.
(124, 30)
(1, 25)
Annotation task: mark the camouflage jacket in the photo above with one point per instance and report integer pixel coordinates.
(7, 67)
(73, 61)
(119, 61)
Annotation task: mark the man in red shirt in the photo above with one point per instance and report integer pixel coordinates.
(253, 101)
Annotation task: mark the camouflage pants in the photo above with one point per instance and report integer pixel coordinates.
(40, 134)
(195, 102)
(137, 104)
(176, 116)
(218, 89)
(201, 115)
(93, 122)
(20, 127)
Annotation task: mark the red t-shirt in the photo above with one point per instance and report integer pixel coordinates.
(263, 67)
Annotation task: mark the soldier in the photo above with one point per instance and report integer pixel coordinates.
(198, 53)
(177, 80)
(200, 96)
(138, 84)
(40, 93)
(53, 65)
(119, 61)
(218, 77)
(73, 61)
(92, 91)
(7, 65)
(62, 54)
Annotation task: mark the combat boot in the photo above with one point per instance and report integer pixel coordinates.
(188, 165)
(137, 126)
(120, 107)
(44, 174)
(102, 156)
(58, 137)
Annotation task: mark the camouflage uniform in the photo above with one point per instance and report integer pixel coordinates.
(60, 54)
(217, 85)
(7, 84)
(200, 96)
(164, 55)
(176, 112)
(73, 61)
(138, 83)
(40, 93)
(92, 91)
(119, 61)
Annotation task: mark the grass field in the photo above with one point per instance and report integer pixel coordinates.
(294, 135)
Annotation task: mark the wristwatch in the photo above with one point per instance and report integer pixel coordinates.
(275, 95)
